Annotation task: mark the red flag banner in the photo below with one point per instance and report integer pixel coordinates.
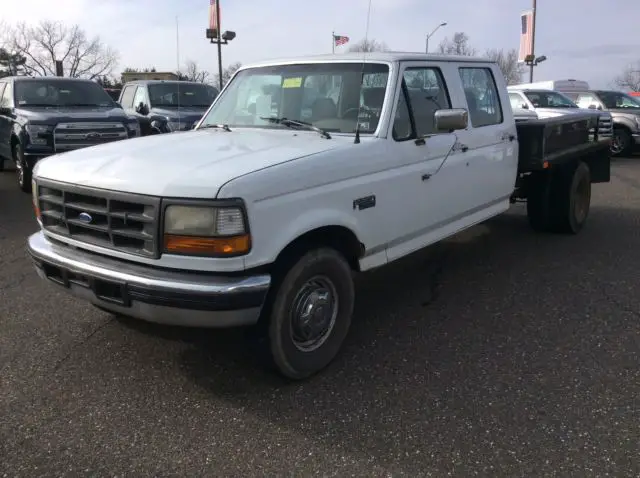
(213, 17)
(526, 35)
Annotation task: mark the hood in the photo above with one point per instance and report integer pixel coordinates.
(182, 114)
(555, 112)
(630, 112)
(55, 114)
(188, 164)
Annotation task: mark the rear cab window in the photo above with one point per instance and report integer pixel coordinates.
(127, 96)
(483, 99)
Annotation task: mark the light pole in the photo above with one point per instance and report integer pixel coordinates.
(431, 34)
(219, 38)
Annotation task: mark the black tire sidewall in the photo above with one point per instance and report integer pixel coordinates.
(289, 360)
(26, 170)
(581, 173)
(624, 134)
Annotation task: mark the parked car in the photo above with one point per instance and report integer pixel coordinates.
(624, 109)
(166, 106)
(114, 93)
(550, 104)
(260, 218)
(47, 115)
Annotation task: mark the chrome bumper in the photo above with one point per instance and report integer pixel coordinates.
(156, 295)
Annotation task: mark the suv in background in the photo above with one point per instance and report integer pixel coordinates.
(625, 110)
(166, 106)
(550, 104)
(47, 115)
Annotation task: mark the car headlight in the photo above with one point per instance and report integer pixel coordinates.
(206, 230)
(133, 128)
(36, 131)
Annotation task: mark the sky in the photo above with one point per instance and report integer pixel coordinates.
(585, 40)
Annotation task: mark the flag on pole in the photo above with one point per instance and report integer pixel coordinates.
(213, 14)
(340, 40)
(526, 36)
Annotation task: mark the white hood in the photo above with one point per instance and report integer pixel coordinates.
(190, 164)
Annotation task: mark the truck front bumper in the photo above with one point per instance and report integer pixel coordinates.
(163, 296)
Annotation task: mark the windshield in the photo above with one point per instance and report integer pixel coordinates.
(549, 99)
(61, 93)
(616, 100)
(327, 95)
(172, 95)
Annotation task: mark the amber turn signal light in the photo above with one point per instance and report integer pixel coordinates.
(219, 246)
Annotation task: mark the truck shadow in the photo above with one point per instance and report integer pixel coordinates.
(474, 332)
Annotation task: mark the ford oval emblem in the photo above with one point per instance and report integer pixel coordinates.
(93, 135)
(85, 217)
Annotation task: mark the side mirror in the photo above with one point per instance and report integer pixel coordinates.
(593, 107)
(524, 106)
(451, 120)
(142, 109)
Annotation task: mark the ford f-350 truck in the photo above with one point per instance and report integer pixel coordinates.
(263, 214)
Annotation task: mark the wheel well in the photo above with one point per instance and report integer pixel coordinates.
(339, 238)
(14, 141)
(621, 126)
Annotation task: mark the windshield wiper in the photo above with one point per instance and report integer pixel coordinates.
(296, 123)
(220, 126)
(86, 104)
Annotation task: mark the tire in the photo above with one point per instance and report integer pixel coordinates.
(621, 143)
(317, 273)
(23, 171)
(571, 199)
(1, 164)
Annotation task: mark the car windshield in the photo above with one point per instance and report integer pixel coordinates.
(173, 95)
(616, 100)
(332, 96)
(61, 93)
(549, 99)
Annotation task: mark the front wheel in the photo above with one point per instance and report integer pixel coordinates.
(23, 170)
(311, 313)
(621, 143)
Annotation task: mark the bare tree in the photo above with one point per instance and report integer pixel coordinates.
(629, 79)
(457, 45)
(227, 73)
(47, 42)
(507, 60)
(366, 45)
(193, 73)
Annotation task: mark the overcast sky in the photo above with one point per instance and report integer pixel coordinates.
(583, 39)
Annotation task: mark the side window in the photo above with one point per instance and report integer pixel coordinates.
(482, 96)
(6, 101)
(127, 96)
(516, 100)
(140, 97)
(423, 93)
(584, 100)
(1, 91)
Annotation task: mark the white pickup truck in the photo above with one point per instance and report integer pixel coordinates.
(302, 173)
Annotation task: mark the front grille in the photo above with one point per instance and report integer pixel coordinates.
(69, 136)
(605, 126)
(121, 221)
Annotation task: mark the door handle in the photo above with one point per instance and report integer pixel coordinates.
(508, 137)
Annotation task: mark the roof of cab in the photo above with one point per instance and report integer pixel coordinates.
(153, 82)
(372, 57)
(47, 78)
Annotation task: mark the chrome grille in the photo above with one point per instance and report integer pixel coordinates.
(69, 136)
(121, 221)
(605, 126)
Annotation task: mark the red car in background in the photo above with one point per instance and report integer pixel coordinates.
(635, 93)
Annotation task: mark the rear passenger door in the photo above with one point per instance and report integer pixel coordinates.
(491, 139)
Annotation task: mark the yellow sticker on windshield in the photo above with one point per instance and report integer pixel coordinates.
(292, 83)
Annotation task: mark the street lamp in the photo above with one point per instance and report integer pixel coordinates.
(531, 61)
(431, 34)
(219, 38)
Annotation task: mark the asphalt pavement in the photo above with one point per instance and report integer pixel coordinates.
(500, 352)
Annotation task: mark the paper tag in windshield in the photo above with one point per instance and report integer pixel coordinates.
(292, 83)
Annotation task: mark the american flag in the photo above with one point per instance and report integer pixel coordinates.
(340, 39)
(213, 19)
(526, 36)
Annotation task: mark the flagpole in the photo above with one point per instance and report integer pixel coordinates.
(533, 41)
(333, 42)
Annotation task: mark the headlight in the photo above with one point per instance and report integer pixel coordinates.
(134, 128)
(35, 130)
(205, 230)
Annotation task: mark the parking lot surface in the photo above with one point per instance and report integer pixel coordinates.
(500, 352)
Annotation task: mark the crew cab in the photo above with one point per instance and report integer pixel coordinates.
(48, 115)
(263, 214)
(164, 106)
